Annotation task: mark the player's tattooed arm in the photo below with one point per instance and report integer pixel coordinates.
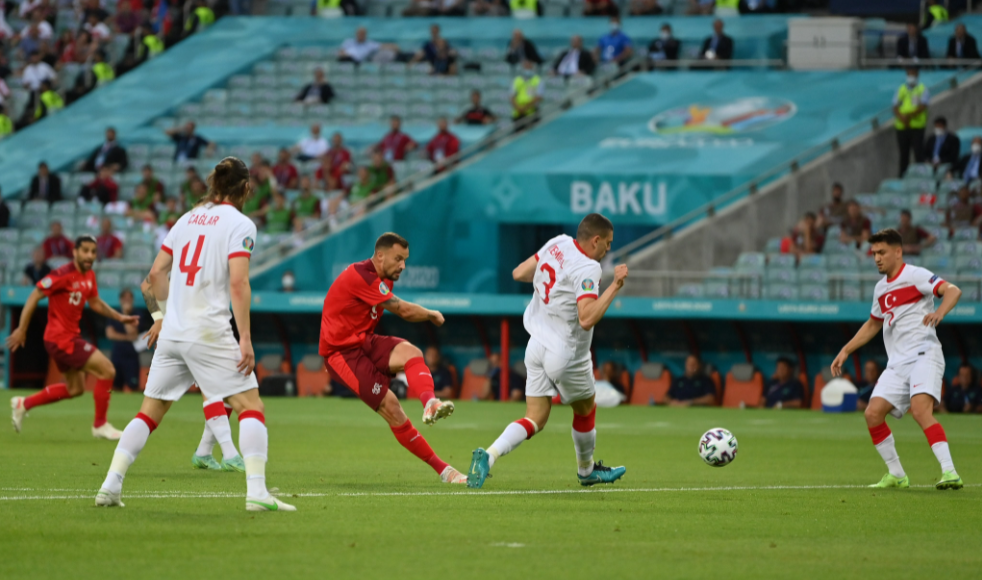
(412, 312)
(148, 296)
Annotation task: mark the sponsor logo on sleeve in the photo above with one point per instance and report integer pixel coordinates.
(248, 244)
(383, 288)
(933, 279)
(46, 282)
(587, 285)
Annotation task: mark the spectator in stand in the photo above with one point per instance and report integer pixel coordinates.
(783, 390)
(48, 102)
(4, 211)
(488, 8)
(285, 172)
(521, 48)
(381, 172)
(126, 20)
(334, 165)
(110, 154)
(856, 227)
(360, 49)
(170, 214)
(188, 144)
(965, 394)
(443, 383)
(93, 7)
(278, 217)
(190, 176)
(363, 187)
(963, 213)
(45, 185)
(701, 7)
(477, 114)
(30, 40)
(124, 356)
(307, 207)
(666, 46)
(141, 207)
(600, 8)
(155, 187)
(436, 8)
(444, 61)
(942, 146)
(610, 373)
(492, 388)
(693, 389)
(835, 211)
(102, 188)
(199, 18)
(395, 144)
(717, 46)
(574, 60)
(198, 190)
(969, 167)
(288, 283)
(615, 46)
(525, 9)
(645, 8)
(914, 238)
(806, 237)
(754, 7)
(6, 123)
(108, 246)
(98, 29)
(36, 71)
(77, 50)
(57, 245)
(866, 384)
(312, 146)
(318, 92)
(913, 45)
(37, 269)
(443, 145)
(962, 44)
(527, 90)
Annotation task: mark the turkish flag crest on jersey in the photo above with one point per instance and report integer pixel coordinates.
(899, 297)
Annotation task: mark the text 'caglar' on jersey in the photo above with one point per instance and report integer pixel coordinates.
(564, 275)
(202, 242)
(901, 303)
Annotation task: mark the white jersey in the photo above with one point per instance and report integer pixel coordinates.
(902, 303)
(564, 275)
(202, 242)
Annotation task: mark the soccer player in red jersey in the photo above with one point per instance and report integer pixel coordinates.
(68, 289)
(365, 362)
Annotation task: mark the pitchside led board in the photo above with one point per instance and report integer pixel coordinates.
(643, 154)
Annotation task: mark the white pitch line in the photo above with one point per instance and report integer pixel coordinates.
(225, 495)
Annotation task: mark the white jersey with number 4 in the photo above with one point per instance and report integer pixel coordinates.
(202, 242)
(901, 303)
(564, 275)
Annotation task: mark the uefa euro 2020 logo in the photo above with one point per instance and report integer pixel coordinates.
(723, 117)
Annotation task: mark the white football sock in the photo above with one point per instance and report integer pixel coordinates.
(222, 431)
(254, 442)
(888, 451)
(584, 443)
(943, 454)
(207, 444)
(510, 438)
(130, 444)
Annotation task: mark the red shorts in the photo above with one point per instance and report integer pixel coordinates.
(71, 361)
(365, 369)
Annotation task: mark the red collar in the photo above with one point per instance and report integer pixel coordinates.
(900, 271)
(580, 248)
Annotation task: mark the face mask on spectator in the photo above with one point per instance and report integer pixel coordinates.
(527, 73)
(614, 27)
(939, 132)
(911, 80)
(666, 35)
(976, 148)
(288, 281)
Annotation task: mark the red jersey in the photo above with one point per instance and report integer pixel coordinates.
(67, 290)
(351, 310)
(107, 246)
(60, 246)
(334, 161)
(443, 145)
(394, 145)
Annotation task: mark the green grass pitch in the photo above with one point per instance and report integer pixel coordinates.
(790, 506)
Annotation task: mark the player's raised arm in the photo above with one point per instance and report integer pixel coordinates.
(591, 310)
(865, 334)
(949, 294)
(99, 306)
(19, 335)
(525, 271)
(412, 312)
(241, 295)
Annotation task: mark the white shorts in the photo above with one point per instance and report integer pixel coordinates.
(550, 373)
(921, 375)
(178, 365)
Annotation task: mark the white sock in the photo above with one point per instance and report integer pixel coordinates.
(943, 454)
(510, 438)
(222, 431)
(130, 444)
(254, 442)
(584, 443)
(888, 451)
(207, 444)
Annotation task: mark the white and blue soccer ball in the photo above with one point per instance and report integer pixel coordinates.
(717, 447)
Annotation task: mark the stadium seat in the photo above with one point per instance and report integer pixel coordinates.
(821, 379)
(475, 376)
(718, 383)
(804, 384)
(271, 364)
(312, 377)
(751, 262)
(651, 384)
(744, 384)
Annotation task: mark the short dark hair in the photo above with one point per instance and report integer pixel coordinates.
(593, 224)
(125, 291)
(810, 214)
(905, 212)
(389, 239)
(838, 186)
(785, 360)
(889, 236)
(940, 120)
(85, 238)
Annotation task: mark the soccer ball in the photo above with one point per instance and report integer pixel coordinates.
(717, 447)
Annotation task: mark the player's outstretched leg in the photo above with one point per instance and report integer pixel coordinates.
(409, 359)
(585, 441)
(105, 373)
(19, 406)
(133, 440)
(536, 414)
(409, 437)
(922, 408)
(883, 440)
